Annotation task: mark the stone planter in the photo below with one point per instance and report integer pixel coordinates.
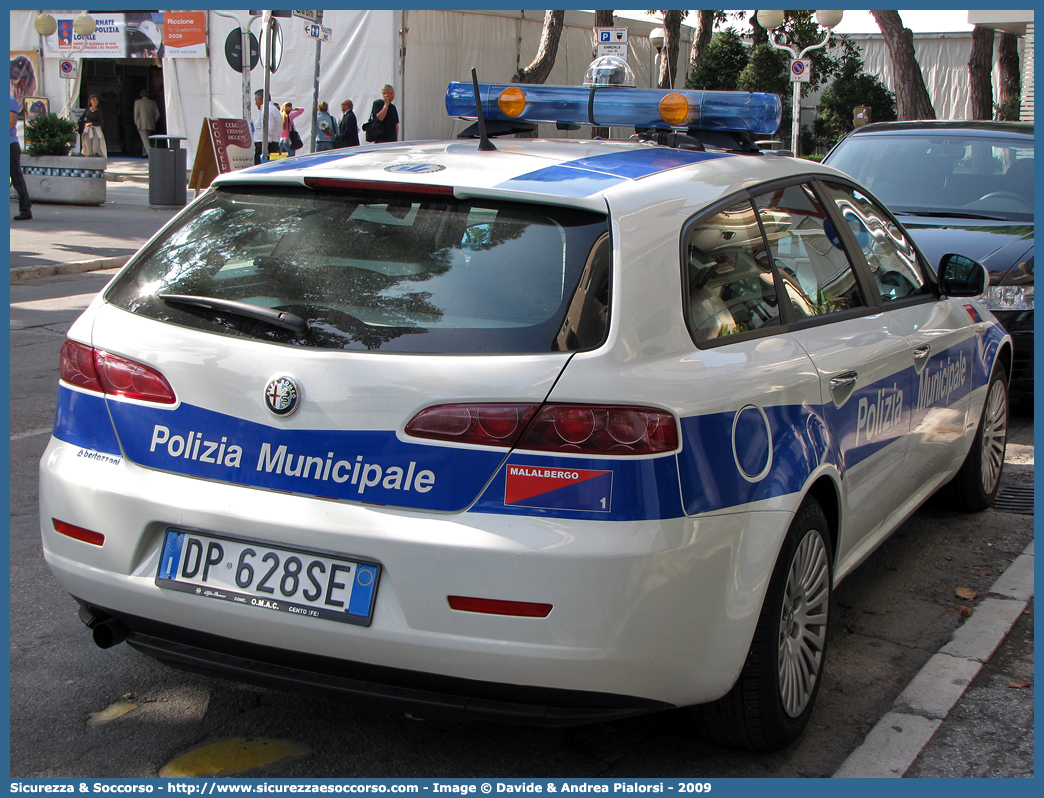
(68, 179)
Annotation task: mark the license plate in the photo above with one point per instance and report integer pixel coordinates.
(269, 578)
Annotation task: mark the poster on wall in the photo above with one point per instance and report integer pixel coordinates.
(185, 34)
(25, 66)
(107, 41)
(36, 106)
(134, 34)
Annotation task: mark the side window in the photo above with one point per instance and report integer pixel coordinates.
(811, 261)
(889, 253)
(728, 277)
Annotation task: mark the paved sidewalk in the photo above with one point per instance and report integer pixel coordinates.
(62, 239)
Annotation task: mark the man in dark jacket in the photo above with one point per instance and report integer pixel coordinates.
(348, 129)
(386, 116)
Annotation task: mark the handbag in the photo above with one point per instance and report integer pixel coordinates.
(372, 129)
(295, 138)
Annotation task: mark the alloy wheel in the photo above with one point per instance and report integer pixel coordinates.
(802, 627)
(994, 436)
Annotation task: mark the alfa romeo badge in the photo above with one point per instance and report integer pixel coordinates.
(282, 396)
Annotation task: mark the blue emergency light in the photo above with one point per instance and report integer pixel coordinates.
(615, 106)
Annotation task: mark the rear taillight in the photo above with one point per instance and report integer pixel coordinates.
(488, 424)
(581, 429)
(94, 370)
(590, 429)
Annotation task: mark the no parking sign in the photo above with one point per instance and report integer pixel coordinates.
(67, 68)
(800, 70)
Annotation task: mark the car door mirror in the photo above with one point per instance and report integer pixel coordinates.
(962, 276)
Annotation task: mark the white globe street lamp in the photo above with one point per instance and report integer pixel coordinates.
(770, 21)
(84, 25)
(45, 24)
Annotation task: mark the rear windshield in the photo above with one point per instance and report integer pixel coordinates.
(391, 272)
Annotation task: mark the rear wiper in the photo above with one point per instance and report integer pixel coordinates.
(278, 318)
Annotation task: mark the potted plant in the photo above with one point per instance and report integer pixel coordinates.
(51, 173)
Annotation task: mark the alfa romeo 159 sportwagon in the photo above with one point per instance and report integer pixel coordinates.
(552, 431)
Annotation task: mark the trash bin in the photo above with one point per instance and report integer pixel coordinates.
(167, 165)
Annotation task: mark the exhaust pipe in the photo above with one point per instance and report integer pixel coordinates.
(109, 633)
(106, 631)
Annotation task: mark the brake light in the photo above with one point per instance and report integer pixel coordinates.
(94, 370)
(78, 532)
(582, 429)
(376, 186)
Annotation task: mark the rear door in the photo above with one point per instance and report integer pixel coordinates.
(943, 338)
(861, 355)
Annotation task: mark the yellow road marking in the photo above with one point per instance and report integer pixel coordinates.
(230, 757)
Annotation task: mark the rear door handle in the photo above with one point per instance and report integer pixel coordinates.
(920, 357)
(842, 385)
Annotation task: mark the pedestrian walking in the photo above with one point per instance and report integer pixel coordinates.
(92, 137)
(348, 128)
(146, 115)
(289, 139)
(327, 131)
(258, 122)
(383, 124)
(17, 178)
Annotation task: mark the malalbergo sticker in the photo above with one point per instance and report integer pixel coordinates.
(559, 488)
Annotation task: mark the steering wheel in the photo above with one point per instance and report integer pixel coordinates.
(1009, 195)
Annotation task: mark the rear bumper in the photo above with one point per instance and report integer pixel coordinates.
(662, 610)
(425, 695)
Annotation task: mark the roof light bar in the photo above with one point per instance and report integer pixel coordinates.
(612, 106)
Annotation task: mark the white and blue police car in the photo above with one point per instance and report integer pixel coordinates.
(551, 431)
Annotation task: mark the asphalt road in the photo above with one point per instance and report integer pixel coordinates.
(889, 617)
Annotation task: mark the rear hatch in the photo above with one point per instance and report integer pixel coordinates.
(301, 330)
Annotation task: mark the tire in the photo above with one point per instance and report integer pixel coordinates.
(974, 487)
(772, 700)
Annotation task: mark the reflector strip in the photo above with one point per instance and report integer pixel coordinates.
(78, 532)
(524, 609)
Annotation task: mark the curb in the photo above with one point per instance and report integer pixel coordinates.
(22, 273)
(894, 744)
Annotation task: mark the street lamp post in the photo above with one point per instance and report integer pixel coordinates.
(770, 21)
(244, 34)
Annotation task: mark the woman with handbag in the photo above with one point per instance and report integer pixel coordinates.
(327, 133)
(92, 138)
(290, 140)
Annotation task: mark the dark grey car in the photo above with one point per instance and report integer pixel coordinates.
(960, 186)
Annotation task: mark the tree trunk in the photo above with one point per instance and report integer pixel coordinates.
(668, 76)
(911, 97)
(704, 33)
(1011, 76)
(603, 19)
(980, 69)
(547, 52)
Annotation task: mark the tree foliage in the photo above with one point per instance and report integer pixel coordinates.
(854, 87)
(721, 63)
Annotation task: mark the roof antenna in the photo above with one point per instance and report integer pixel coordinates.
(484, 143)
